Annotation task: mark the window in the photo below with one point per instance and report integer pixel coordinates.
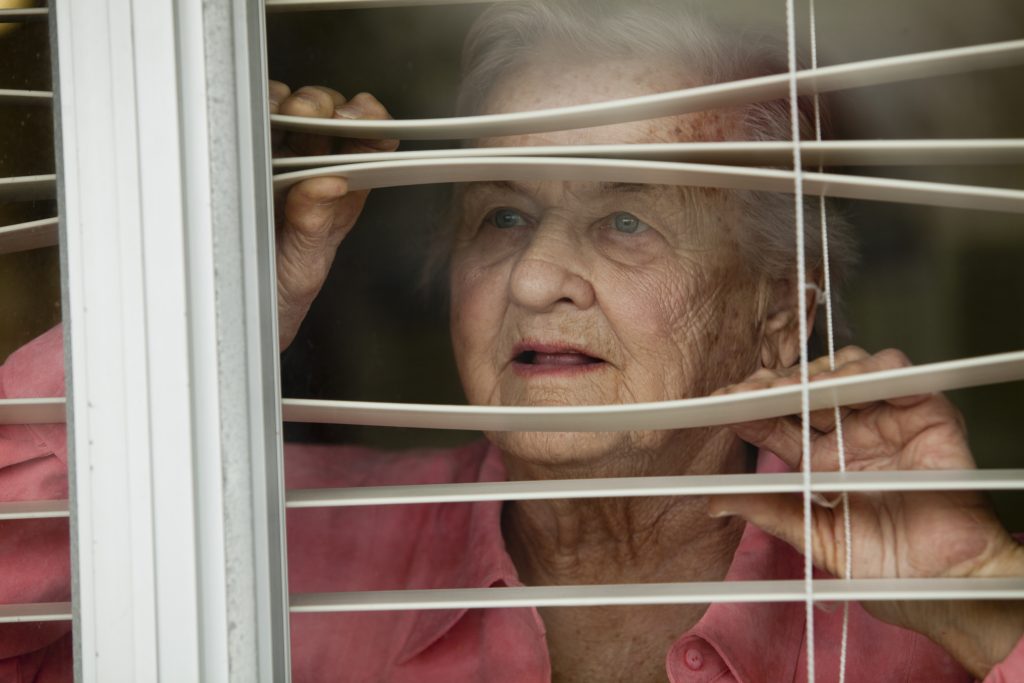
(174, 413)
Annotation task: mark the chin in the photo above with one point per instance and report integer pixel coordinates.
(586, 451)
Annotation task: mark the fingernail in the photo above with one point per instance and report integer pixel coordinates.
(721, 513)
(346, 111)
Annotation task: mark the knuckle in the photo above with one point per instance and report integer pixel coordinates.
(893, 358)
(370, 106)
(278, 90)
(310, 101)
(764, 374)
(318, 191)
(850, 353)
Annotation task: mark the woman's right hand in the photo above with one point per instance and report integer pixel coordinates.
(316, 214)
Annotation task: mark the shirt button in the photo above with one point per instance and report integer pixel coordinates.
(694, 659)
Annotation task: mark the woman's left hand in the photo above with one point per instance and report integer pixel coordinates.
(895, 534)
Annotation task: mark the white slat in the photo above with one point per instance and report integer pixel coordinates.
(33, 509)
(684, 413)
(733, 93)
(379, 174)
(304, 5)
(701, 485)
(25, 14)
(825, 590)
(25, 96)
(30, 235)
(28, 187)
(768, 153)
(35, 612)
(15, 411)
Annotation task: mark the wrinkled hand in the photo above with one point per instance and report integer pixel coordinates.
(316, 214)
(896, 534)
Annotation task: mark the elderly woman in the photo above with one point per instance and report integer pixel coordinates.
(566, 293)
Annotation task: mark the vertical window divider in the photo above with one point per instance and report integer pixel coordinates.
(169, 291)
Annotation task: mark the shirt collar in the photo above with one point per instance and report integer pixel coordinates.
(759, 642)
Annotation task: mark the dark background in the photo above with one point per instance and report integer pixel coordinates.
(937, 283)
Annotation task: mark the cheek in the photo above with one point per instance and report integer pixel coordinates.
(688, 326)
(477, 307)
(718, 333)
(651, 304)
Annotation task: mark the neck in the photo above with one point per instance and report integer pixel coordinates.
(619, 540)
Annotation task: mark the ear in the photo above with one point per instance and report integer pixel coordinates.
(780, 339)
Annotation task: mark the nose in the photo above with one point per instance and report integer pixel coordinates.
(550, 271)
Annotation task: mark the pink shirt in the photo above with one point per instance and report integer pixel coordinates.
(426, 546)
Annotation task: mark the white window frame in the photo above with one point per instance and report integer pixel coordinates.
(176, 480)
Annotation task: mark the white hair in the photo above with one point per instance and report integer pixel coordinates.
(509, 34)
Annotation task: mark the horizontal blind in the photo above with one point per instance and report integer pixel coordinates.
(701, 164)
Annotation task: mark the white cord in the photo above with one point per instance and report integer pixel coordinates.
(829, 326)
(801, 268)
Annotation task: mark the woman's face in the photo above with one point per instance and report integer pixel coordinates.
(568, 293)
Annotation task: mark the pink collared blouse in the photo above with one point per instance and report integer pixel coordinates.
(426, 546)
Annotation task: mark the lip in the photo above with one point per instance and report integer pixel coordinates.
(531, 358)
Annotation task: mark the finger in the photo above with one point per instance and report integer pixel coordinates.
(782, 516)
(824, 421)
(315, 102)
(767, 378)
(783, 436)
(278, 93)
(318, 214)
(887, 359)
(366, 107)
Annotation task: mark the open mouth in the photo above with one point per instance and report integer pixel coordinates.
(550, 357)
(559, 358)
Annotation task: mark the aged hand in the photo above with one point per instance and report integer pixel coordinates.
(898, 534)
(318, 213)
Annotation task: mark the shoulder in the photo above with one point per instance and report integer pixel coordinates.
(382, 547)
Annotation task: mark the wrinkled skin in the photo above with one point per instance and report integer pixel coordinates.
(671, 309)
(661, 306)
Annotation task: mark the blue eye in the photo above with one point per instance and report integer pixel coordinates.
(628, 223)
(507, 218)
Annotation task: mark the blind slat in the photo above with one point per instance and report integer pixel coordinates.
(733, 93)
(35, 612)
(375, 175)
(767, 153)
(25, 96)
(825, 590)
(30, 235)
(32, 410)
(698, 485)
(684, 413)
(17, 15)
(28, 187)
(306, 5)
(33, 509)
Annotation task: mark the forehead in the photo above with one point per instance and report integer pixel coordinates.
(550, 81)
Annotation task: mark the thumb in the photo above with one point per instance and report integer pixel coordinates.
(782, 516)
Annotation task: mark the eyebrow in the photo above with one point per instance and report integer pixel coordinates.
(628, 187)
(506, 185)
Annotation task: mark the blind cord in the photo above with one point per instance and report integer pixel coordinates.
(801, 268)
(830, 332)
